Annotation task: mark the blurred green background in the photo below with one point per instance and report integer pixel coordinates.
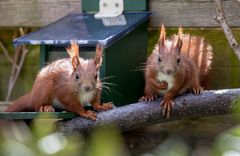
(198, 137)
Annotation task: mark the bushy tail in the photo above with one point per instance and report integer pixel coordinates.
(199, 50)
(22, 104)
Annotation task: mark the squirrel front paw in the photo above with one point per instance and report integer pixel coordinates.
(147, 98)
(89, 115)
(167, 105)
(103, 107)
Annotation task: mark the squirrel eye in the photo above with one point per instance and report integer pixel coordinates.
(77, 76)
(159, 59)
(178, 60)
(96, 76)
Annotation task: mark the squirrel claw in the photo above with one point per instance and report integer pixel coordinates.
(147, 98)
(167, 106)
(89, 115)
(197, 90)
(142, 99)
(104, 107)
(46, 108)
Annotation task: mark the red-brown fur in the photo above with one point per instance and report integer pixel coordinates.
(68, 80)
(163, 64)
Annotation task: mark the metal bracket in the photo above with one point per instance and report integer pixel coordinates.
(110, 8)
(114, 21)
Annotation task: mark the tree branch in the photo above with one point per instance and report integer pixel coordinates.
(19, 58)
(220, 18)
(138, 115)
(6, 53)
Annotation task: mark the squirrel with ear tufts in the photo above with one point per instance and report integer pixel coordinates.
(169, 73)
(72, 81)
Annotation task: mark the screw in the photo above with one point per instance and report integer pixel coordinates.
(105, 5)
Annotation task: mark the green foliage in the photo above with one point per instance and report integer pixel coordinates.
(42, 139)
(227, 143)
(172, 146)
(106, 141)
(236, 108)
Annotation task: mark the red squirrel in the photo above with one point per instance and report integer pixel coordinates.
(169, 73)
(72, 81)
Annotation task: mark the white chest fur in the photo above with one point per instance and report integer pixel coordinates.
(86, 97)
(169, 79)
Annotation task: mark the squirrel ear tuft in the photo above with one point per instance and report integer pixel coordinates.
(98, 55)
(73, 50)
(180, 32)
(162, 36)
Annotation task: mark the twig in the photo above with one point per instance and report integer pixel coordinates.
(20, 55)
(13, 72)
(22, 59)
(6, 53)
(16, 73)
(24, 51)
(220, 18)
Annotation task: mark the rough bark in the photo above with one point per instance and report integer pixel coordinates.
(142, 114)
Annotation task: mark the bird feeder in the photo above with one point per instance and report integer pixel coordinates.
(124, 38)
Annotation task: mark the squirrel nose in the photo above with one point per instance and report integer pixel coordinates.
(168, 71)
(87, 88)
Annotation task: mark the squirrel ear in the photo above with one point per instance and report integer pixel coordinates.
(75, 62)
(98, 55)
(179, 44)
(73, 52)
(179, 38)
(162, 37)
